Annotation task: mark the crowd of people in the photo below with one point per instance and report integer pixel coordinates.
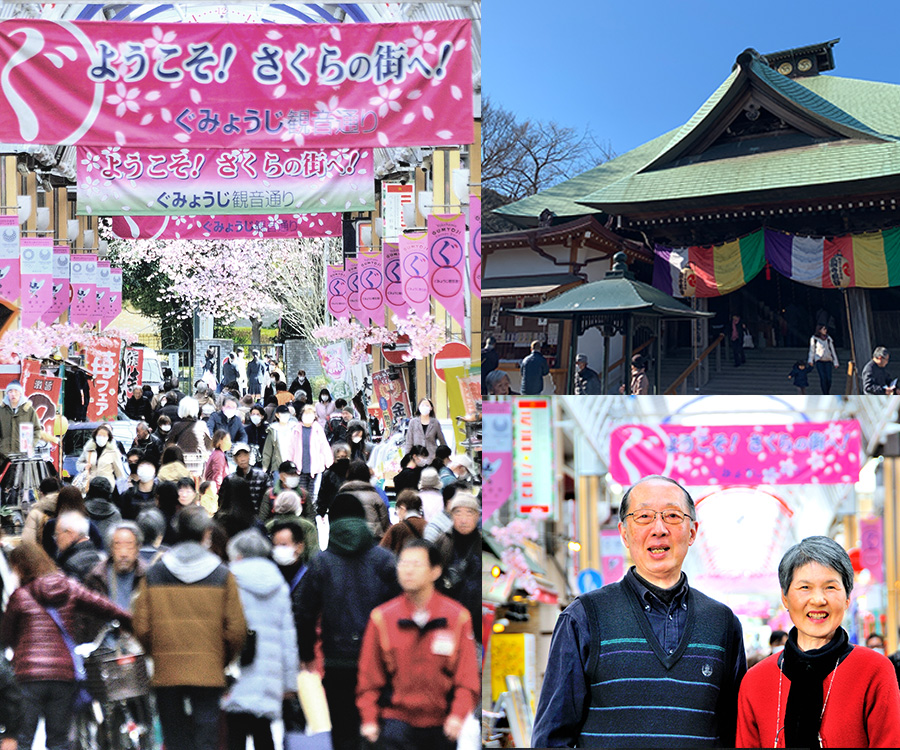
(242, 540)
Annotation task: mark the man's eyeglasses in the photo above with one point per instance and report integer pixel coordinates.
(669, 516)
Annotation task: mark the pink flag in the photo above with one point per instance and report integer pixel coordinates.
(393, 283)
(414, 270)
(59, 292)
(475, 240)
(9, 258)
(371, 286)
(226, 227)
(36, 278)
(84, 287)
(114, 298)
(446, 263)
(337, 292)
(352, 277)
(102, 310)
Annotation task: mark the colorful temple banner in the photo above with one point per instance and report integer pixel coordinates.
(59, 302)
(9, 258)
(236, 85)
(336, 297)
(229, 227)
(414, 270)
(36, 280)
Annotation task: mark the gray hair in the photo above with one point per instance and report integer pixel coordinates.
(152, 524)
(819, 549)
(248, 543)
(124, 526)
(493, 379)
(688, 500)
(881, 351)
(143, 425)
(188, 408)
(73, 520)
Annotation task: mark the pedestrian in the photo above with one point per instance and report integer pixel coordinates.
(236, 512)
(800, 375)
(342, 586)
(411, 466)
(254, 701)
(777, 641)
(497, 384)
(189, 619)
(163, 428)
(425, 429)
(209, 368)
(229, 372)
(325, 408)
(15, 411)
(358, 440)
(430, 486)
(823, 356)
(69, 498)
(172, 466)
(359, 483)
(150, 446)
(672, 631)
(152, 524)
(876, 378)
(228, 419)
(217, 463)
(258, 479)
(411, 524)
(875, 641)
(118, 576)
(137, 407)
(333, 477)
(77, 553)
(300, 383)
(490, 360)
(287, 508)
(442, 523)
(534, 369)
(256, 427)
(191, 434)
(41, 511)
(10, 706)
(418, 676)
(140, 495)
(278, 439)
(100, 508)
(820, 691)
(47, 604)
(256, 374)
(309, 450)
(640, 383)
(587, 381)
(240, 364)
(442, 464)
(290, 552)
(101, 458)
(738, 329)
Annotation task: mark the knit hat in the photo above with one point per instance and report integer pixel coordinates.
(429, 479)
(15, 385)
(286, 502)
(100, 487)
(464, 500)
(346, 505)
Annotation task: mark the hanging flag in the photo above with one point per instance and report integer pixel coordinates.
(102, 361)
(351, 274)
(475, 245)
(371, 286)
(114, 301)
(59, 290)
(36, 279)
(84, 288)
(446, 262)
(337, 292)
(414, 270)
(9, 258)
(226, 227)
(393, 283)
(102, 292)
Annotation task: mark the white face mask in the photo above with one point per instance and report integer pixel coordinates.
(229, 413)
(284, 555)
(283, 418)
(308, 419)
(146, 473)
(421, 461)
(101, 440)
(291, 481)
(323, 399)
(165, 427)
(301, 380)
(356, 439)
(255, 418)
(424, 409)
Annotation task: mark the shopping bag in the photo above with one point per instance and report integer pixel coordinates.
(312, 699)
(748, 341)
(301, 741)
(322, 529)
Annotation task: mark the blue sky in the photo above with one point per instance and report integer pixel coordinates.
(631, 70)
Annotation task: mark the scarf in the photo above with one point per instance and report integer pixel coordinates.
(807, 671)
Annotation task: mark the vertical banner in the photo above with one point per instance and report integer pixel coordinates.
(43, 391)
(394, 196)
(871, 547)
(447, 263)
(114, 298)
(454, 377)
(611, 555)
(533, 457)
(475, 245)
(414, 270)
(337, 292)
(102, 293)
(102, 360)
(59, 291)
(393, 284)
(83, 269)
(392, 397)
(351, 275)
(132, 371)
(371, 286)
(36, 278)
(9, 257)
(496, 461)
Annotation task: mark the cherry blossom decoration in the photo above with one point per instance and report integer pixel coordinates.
(513, 537)
(44, 341)
(425, 337)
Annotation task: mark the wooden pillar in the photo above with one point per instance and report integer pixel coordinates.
(891, 574)
(570, 379)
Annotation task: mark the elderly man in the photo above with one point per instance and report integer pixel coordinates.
(150, 445)
(587, 382)
(535, 368)
(229, 420)
(648, 641)
(258, 479)
(138, 407)
(876, 378)
(117, 577)
(77, 553)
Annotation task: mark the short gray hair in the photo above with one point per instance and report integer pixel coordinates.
(152, 524)
(124, 526)
(73, 520)
(881, 351)
(493, 379)
(248, 543)
(688, 500)
(819, 549)
(188, 408)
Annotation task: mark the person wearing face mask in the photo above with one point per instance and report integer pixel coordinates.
(425, 430)
(310, 451)
(217, 464)
(256, 429)
(333, 477)
(101, 457)
(163, 428)
(147, 443)
(325, 408)
(229, 420)
(336, 429)
(300, 383)
(16, 410)
(286, 508)
(278, 439)
(357, 438)
(256, 373)
(412, 464)
(141, 494)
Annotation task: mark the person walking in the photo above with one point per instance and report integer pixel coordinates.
(490, 360)
(534, 369)
(217, 464)
(876, 378)
(257, 374)
(101, 458)
(738, 329)
(823, 356)
(276, 449)
(100, 508)
(229, 420)
(258, 479)
(411, 524)
(16, 410)
(300, 383)
(77, 553)
(587, 381)
(325, 408)
(425, 430)
(309, 450)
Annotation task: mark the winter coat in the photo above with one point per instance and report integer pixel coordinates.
(328, 489)
(192, 436)
(233, 426)
(40, 652)
(103, 513)
(10, 421)
(34, 523)
(296, 385)
(310, 532)
(461, 579)
(108, 465)
(376, 511)
(10, 701)
(256, 374)
(321, 456)
(173, 472)
(363, 449)
(432, 503)
(267, 607)
(229, 372)
(189, 618)
(216, 468)
(78, 559)
(412, 527)
(48, 540)
(429, 435)
(275, 450)
(323, 411)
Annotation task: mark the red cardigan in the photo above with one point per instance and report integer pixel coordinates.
(863, 709)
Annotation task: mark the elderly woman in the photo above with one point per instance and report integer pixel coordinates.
(821, 691)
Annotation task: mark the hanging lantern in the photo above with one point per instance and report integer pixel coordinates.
(687, 282)
(839, 271)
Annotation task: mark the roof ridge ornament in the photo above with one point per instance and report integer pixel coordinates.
(619, 268)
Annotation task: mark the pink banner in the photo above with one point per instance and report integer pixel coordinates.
(611, 553)
(114, 298)
(226, 227)
(475, 245)
(36, 283)
(393, 283)
(414, 270)
(803, 453)
(163, 181)
(236, 85)
(351, 276)
(871, 547)
(447, 263)
(337, 292)
(9, 258)
(102, 292)
(371, 286)
(83, 270)
(59, 301)
(497, 462)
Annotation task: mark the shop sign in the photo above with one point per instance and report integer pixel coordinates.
(533, 456)
(102, 361)
(230, 227)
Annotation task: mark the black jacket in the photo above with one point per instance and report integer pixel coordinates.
(79, 559)
(306, 387)
(151, 448)
(138, 409)
(10, 701)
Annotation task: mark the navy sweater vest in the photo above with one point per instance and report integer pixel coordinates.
(643, 697)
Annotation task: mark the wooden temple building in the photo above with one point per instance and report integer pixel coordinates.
(778, 200)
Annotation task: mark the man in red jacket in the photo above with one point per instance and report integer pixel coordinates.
(417, 669)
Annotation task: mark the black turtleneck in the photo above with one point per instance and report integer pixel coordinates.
(666, 596)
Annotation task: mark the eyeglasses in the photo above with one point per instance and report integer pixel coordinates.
(669, 516)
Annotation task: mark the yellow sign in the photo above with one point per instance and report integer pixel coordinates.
(513, 654)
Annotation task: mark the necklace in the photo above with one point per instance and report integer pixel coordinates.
(824, 704)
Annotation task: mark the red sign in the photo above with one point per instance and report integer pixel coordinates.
(391, 396)
(451, 350)
(102, 360)
(43, 391)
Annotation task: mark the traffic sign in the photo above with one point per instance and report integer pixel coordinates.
(589, 579)
(454, 351)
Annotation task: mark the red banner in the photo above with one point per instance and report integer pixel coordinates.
(102, 360)
(447, 263)
(392, 397)
(43, 391)
(236, 85)
(226, 227)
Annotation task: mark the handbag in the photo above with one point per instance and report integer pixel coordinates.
(82, 480)
(248, 653)
(83, 698)
(748, 341)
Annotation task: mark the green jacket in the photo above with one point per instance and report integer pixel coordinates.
(9, 425)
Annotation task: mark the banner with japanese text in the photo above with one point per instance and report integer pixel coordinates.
(803, 453)
(9, 257)
(535, 485)
(371, 286)
(102, 361)
(102, 291)
(132, 371)
(496, 456)
(336, 298)
(43, 391)
(392, 397)
(447, 263)
(393, 283)
(236, 85)
(229, 227)
(36, 280)
(475, 245)
(414, 270)
(351, 276)
(172, 182)
(343, 379)
(114, 298)
(59, 291)
(83, 280)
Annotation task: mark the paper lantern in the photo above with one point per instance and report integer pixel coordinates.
(687, 282)
(839, 271)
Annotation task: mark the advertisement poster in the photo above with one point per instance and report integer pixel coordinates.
(392, 397)
(475, 246)
(102, 361)
(43, 391)
(36, 278)
(132, 371)
(337, 294)
(59, 291)
(83, 275)
(447, 263)
(497, 455)
(371, 286)
(414, 271)
(393, 283)
(344, 379)
(9, 257)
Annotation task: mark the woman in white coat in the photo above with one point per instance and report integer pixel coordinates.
(101, 457)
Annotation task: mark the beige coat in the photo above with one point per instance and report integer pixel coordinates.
(109, 464)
